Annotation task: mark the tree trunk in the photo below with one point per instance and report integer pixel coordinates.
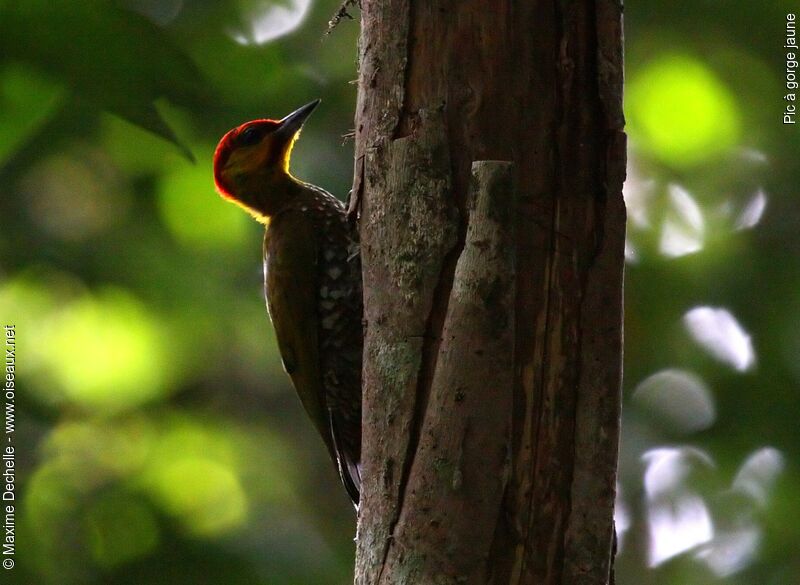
(489, 166)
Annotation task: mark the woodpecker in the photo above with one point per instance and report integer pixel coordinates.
(312, 279)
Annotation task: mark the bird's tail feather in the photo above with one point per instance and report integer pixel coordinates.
(349, 469)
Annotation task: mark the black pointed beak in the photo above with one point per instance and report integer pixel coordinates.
(294, 121)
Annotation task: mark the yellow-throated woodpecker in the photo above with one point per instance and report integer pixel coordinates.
(312, 279)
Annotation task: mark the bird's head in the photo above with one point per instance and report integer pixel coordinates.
(251, 163)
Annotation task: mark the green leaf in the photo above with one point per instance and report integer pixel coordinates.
(114, 58)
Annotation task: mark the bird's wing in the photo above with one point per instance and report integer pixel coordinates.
(341, 343)
(290, 279)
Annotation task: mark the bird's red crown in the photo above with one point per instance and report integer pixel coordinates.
(247, 135)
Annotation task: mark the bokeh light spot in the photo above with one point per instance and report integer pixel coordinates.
(99, 449)
(196, 475)
(51, 495)
(678, 518)
(266, 21)
(677, 399)
(103, 352)
(731, 551)
(753, 211)
(75, 197)
(28, 299)
(758, 473)
(204, 493)
(719, 333)
(668, 468)
(107, 352)
(677, 527)
(638, 193)
(681, 112)
(683, 231)
(195, 214)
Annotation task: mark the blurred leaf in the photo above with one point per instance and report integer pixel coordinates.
(120, 528)
(26, 100)
(254, 77)
(114, 58)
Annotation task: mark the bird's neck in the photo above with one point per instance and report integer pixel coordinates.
(267, 194)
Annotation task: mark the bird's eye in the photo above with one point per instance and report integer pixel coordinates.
(250, 136)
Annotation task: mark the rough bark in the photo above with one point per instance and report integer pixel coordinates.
(494, 337)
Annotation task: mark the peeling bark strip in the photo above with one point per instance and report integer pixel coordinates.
(463, 461)
(413, 229)
(464, 481)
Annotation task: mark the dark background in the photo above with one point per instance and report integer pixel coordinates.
(158, 438)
